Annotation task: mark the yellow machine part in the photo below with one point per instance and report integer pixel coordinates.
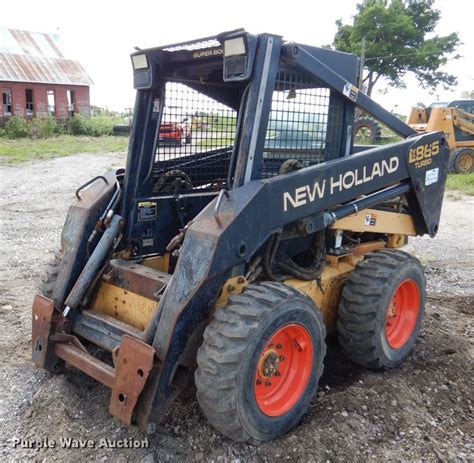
(375, 221)
(444, 120)
(326, 291)
(136, 310)
(417, 117)
(161, 263)
(123, 305)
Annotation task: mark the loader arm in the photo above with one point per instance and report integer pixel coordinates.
(148, 252)
(225, 235)
(463, 120)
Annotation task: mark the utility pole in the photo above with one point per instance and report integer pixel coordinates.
(363, 46)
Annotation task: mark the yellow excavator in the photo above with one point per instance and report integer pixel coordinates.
(456, 120)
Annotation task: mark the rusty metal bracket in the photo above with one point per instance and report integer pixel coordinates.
(68, 338)
(133, 365)
(133, 359)
(42, 323)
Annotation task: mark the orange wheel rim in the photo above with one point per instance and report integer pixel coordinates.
(402, 314)
(283, 370)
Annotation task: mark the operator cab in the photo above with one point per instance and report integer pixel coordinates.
(219, 84)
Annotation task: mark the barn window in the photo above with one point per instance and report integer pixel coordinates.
(71, 100)
(51, 102)
(7, 101)
(30, 106)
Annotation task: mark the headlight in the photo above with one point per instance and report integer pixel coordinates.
(139, 61)
(234, 47)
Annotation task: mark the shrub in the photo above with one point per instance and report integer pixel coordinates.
(76, 125)
(44, 127)
(17, 127)
(2, 133)
(95, 126)
(101, 125)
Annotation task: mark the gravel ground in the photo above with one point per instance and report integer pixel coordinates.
(422, 411)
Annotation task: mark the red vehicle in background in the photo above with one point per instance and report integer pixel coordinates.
(176, 132)
(175, 127)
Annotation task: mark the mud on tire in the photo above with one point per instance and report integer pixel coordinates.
(365, 326)
(461, 161)
(49, 275)
(232, 350)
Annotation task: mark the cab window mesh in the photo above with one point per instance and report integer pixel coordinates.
(305, 123)
(196, 136)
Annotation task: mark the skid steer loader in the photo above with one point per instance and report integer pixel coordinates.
(456, 120)
(224, 262)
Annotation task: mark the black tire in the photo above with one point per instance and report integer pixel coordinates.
(461, 161)
(49, 275)
(122, 128)
(373, 127)
(232, 348)
(188, 139)
(365, 302)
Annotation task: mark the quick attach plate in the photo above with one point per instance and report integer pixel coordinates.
(42, 322)
(133, 364)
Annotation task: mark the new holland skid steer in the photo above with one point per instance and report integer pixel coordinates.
(224, 261)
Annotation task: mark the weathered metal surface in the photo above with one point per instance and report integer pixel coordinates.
(80, 222)
(36, 57)
(68, 338)
(232, 286)
(161, 263)
(133, 358)
(96, 260)
(369, 246)
(133, 365)
(103, 330)
(377, 221)
(85, 362)
(137, 278)
(42, 314)
(124, 305)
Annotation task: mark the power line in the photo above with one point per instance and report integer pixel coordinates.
(404, 54)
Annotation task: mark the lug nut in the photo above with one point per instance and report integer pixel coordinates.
(268, 383)
(259, 381)
(282, 358)
(278, 346)
(277, 373)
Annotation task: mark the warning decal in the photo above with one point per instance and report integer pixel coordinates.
(146, 211)
(370, 220)
(351, 91)
(431, 176)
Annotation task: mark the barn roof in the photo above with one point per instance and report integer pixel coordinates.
(37, 57)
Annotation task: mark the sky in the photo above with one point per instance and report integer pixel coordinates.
(101, 34)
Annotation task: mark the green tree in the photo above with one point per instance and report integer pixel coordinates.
(399, 40)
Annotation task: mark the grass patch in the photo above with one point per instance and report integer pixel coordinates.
(461, 182)
(26, 149)
(216, 142)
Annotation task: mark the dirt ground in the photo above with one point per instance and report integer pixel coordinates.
(422, 411)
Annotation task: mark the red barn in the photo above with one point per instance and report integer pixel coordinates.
(37, 80)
